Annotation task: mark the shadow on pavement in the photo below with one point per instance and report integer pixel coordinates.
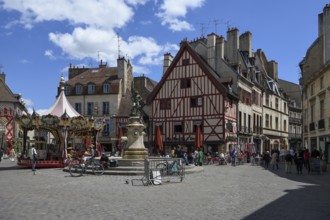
(310, 201)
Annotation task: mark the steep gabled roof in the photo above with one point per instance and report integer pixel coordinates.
(95, 75)
(293, 90)
(6, 95)
(213, 76)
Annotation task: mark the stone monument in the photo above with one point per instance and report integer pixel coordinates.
(134, 150)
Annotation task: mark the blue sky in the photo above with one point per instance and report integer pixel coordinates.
(39, 39)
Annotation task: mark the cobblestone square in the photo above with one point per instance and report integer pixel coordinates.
(219, 192)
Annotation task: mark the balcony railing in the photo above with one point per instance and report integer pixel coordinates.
(295, 120)
(294, 135)
(321, 124)
(312, 126)
(257, 130)
(245, 129)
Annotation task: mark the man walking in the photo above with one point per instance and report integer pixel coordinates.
(33, 157)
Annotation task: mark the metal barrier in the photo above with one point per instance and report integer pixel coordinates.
(159, 170)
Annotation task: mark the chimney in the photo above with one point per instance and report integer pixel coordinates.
(122, 73)
(273, 70)
(220, 47)
(167, 62)
(245, 42)
(3, 77)
(211, 40)
(324, 31)
(232, 45)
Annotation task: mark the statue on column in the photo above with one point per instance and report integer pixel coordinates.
(137, 103)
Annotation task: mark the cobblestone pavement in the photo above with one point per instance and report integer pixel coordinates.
(219, 192)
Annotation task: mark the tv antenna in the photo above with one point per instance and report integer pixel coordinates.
(98, 57)
(202, 29)
(216, 22)
(118, 39)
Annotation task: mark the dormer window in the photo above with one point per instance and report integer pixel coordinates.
(91, 88)
(78, 89)
(106, 88)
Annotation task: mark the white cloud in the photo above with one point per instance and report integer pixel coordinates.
(87, 42)
(25, 61)
(136, 2)
(49, 53)
(27, 102)
(107, 14)
(83, 43)
(95, 24)
(141, 70)
(173, 11)
(146, 22)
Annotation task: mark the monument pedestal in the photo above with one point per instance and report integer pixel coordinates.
(135, 151)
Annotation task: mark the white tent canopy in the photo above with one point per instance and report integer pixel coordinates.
(62, 105)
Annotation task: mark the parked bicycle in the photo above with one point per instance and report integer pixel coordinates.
(173, 168)
(78, 169)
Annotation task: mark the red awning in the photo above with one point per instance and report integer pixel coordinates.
(158, 139)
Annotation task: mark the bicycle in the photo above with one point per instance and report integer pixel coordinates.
(78, 169)
(171, 168)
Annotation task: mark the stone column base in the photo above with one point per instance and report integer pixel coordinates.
(135, 153)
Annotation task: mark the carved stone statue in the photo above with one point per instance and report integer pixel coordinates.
(137, 103)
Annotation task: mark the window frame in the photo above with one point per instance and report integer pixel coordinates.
(79, 89)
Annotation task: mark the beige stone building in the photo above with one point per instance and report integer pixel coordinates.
(105, 93)
(293, 93)
(315, 80)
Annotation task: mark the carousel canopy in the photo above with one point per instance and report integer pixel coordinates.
(61, 106)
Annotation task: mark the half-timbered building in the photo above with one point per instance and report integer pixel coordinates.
(191, 95)
(11, 105)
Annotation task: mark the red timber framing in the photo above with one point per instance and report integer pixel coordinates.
(189, 95)
(7, 116)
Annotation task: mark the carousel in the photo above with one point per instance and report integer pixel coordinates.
(57, 133)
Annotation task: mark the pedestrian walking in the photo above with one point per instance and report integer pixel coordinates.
(275, 160)
(299, 160)
(33, 157)
(12, 155)
(200, 157)
(307, 160)
(282, 154)
(266, 158)
(288, 162)
(1, 155)
(233, 157)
